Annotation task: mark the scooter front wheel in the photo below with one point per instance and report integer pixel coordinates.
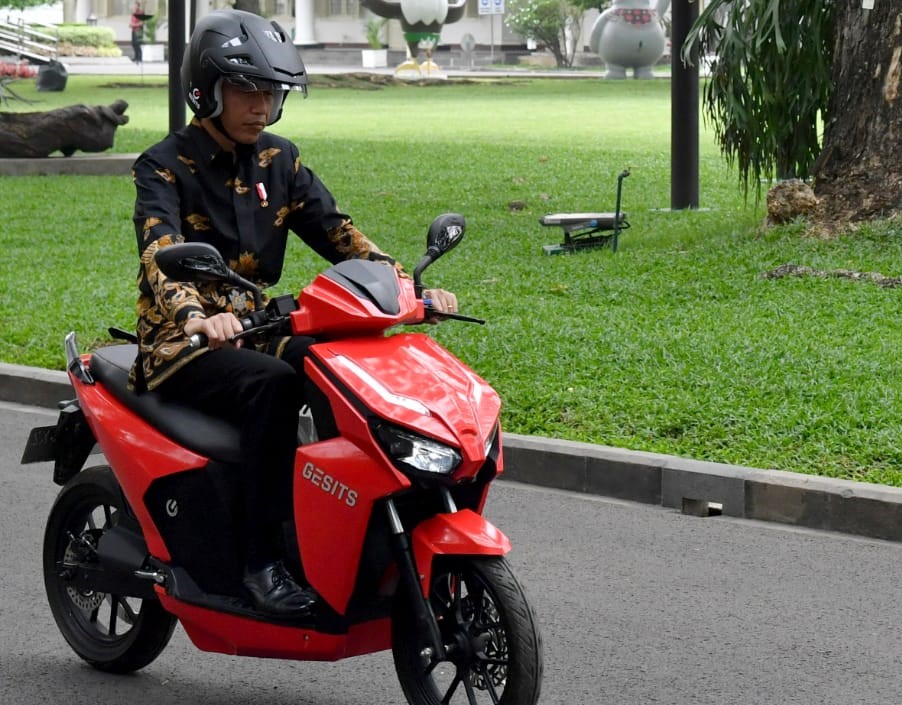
(114, 633)
(490, 633)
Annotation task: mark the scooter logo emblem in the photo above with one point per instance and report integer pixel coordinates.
(172, 508)
(329, 484)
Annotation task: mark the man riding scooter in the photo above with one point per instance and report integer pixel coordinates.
(225, 181)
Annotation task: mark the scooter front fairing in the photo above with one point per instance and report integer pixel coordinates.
(410, 380)
(406, 380)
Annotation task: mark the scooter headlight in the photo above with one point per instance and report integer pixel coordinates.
(414, 452)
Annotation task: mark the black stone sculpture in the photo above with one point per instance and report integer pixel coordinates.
(75, 127)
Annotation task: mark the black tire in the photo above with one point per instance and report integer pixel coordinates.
(112, 633)
(496, 649)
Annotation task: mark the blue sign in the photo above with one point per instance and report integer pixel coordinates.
(491, 7)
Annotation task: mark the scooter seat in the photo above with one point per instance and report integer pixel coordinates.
(204, 434)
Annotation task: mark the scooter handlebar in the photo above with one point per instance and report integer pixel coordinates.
(253, 323)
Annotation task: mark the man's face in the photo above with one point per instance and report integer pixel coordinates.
(245, 111)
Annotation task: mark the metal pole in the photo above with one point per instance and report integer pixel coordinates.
(683, 111)
(492, 43)
(176, 52)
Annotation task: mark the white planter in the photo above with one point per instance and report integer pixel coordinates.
(374, 58)
(152, 52)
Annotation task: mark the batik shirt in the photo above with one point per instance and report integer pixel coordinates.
(244, 204)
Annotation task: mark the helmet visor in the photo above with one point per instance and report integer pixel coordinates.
(253, 84)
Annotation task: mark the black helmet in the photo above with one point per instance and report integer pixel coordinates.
(247, 50)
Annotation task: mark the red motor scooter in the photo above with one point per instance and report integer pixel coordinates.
(391, 474)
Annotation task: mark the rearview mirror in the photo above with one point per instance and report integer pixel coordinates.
(192, 262)
(200, 262)
(446, 231)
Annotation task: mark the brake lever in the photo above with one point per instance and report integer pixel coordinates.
(441, 315)
(257, 330)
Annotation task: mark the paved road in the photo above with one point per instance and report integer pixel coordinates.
(638, 605)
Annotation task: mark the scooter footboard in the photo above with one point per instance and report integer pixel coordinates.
(462, 533)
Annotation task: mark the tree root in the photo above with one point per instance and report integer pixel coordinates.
(797, 270)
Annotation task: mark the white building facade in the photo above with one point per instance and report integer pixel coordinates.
(328, 23)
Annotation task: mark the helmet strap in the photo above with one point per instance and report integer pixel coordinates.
(217, 123)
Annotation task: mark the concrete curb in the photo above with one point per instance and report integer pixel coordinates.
(105, 164)
(703, 488)
(33, 386)
(691, 486)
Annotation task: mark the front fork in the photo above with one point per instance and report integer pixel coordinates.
(452, 533)
(422, 609)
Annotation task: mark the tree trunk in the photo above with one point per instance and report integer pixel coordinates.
(859, 171)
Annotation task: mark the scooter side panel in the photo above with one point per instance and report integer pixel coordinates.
(336, 487)
(462, 533)
(238, 636)
(136, 451)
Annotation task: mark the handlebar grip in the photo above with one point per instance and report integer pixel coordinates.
(248, 324)
(198, 340)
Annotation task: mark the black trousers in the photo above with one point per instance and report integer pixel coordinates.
(136, 47)
(262, 395)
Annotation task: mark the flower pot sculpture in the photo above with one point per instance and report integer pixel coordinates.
(630, 35)
(421, 22)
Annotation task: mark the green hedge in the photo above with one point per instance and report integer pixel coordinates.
(86, 36)
(66, 49)
(84, 40)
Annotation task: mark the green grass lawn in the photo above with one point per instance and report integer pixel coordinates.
(674, 344)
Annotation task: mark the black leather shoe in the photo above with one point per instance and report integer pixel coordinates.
(274, 591)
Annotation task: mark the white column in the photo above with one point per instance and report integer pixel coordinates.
(202, 8)
(303, 23)
(82, 10)
(69, 11)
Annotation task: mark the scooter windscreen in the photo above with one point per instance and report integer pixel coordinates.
(377, 284)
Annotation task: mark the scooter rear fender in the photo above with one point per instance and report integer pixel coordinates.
(462, 533)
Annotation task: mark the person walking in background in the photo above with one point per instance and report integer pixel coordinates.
(137, 27)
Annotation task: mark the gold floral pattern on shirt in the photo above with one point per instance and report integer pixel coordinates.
(147, 256)
(237, 185)
(247, 264)
(353, 244)
(166, 175)
(149, 224)
(161, 316)
(199, 222)
(350, 242)
(188, 163)
(280, 216)
(285, 211)
(267, 155)
(167, 212)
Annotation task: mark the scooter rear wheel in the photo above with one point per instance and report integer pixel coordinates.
(489, 630)
(114, 633)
